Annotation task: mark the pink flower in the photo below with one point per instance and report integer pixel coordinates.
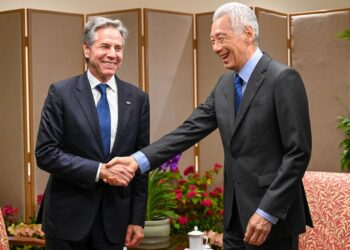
(39, 199)
(183, 220)
(182, 181)
(209, 212)
(207, 203)
(204, 194)
(177, 191)
(189, 170)
(9, 210)
(178, 196)
(191, 194)
(218, 190)
(212, 193)
(192, 187)
(217, 167)
(221, 212)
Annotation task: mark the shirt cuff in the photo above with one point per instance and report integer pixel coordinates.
(97, 178)
(142, 161)
(267, 216)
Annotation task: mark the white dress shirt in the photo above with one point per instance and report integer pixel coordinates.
(112, 97)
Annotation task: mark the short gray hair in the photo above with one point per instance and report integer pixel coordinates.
(240, 16)
(96, 23)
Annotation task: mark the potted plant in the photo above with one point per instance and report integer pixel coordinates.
(161, 204)
(187, 199)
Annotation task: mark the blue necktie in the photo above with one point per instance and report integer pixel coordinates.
(238, 92)
(104, 118)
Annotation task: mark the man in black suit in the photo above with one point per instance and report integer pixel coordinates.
(261, 110)
(86, 121)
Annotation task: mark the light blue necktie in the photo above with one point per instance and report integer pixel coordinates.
(238, 91)
(104, 118)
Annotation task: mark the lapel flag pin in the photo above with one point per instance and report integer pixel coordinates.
(128, 103)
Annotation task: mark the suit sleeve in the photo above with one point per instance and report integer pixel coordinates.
(140, 182)
(49, 152)
(200, 123)
(294, 127)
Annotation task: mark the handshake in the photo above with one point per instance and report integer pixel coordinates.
(119, 171)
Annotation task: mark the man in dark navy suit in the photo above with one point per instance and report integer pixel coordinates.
(86, 121)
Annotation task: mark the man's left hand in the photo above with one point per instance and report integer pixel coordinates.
(257, 230)
(133, 236)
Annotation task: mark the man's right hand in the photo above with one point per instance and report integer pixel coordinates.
(119, 171)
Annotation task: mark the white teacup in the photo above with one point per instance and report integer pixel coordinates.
(197, 239)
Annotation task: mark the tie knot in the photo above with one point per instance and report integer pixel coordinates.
(102, 87)
(238, 80)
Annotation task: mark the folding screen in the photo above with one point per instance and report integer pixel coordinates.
(273, 37)
(209, 69)
(169, 71)
(55, 53)
(12, 105)
(323, 60)
(131, 69)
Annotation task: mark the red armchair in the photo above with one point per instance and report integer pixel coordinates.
(328, 195)
(4, 244)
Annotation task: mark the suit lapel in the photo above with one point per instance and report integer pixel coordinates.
(229, 98)
(253, 86)
(124, 106)
(87, 104)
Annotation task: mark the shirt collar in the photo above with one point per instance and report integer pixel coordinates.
(94, 81)
(248, 68)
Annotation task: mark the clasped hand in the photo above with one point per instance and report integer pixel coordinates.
(119, 171)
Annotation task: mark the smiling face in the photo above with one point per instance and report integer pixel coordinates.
(105, 56)
(234, 48)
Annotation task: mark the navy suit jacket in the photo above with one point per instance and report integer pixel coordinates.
(267, 145)
(69, 147)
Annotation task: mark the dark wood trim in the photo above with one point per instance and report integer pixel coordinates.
(16, 240)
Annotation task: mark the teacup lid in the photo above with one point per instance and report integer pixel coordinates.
(195, 232)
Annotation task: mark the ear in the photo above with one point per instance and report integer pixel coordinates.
(249, 33)
(86, 50)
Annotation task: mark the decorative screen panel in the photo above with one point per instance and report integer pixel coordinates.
(209, 69)
(273, 35)
(169, 71)
(12, 94)
(323, 61)
(55, 53)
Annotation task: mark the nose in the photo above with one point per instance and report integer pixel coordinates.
(112, 52)
(216, 46)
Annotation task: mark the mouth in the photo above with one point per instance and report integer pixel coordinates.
(109, 64)
(224, 57)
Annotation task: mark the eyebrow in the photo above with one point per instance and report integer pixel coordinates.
(218, 34)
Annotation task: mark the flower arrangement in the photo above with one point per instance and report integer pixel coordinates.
(15, 227)
(196, 202)
(10, 215)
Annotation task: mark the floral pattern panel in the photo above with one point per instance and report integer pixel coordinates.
(4, 245)
(328, 195)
